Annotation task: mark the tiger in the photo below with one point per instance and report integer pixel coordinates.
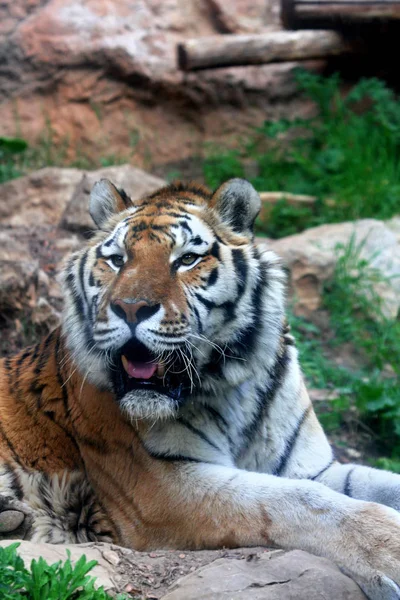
(169, 410)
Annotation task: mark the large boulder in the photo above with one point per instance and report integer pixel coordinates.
(52, 194)
(99, 77)
(135, 182)
(39, 198)
(311, 257)
(245, 573)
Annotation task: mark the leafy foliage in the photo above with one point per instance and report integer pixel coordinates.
(59, 581)
(347, 156)
(9, 148)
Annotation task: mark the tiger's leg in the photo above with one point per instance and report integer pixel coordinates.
(364, 483)
(310, 457)
(57, 508)
(197, 506)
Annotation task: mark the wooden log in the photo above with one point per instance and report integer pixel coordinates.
(326, 13)
(277, 46)
(292, 199)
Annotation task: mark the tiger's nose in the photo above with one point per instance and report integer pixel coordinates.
(134, 312)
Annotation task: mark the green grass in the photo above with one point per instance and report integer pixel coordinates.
(347, 156)
(18, 158)
(59, 581)
(357, 317)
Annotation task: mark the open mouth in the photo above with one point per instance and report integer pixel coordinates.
(138, 369)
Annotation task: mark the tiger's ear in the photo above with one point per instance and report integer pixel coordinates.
(238, 204)
(105, 201)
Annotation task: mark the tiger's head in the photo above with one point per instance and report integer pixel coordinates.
(171, 298)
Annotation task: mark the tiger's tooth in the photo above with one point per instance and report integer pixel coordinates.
(124, 362)
(160, 370)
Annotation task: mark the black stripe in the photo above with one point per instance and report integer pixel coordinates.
(213, 277)
(109, 242)
(199, 323)
(241, 270)
(125, 198)
(199, 433)
(347, 483)
(322, 471)
(197, 241)
(291, 442)
(220, 422)
(217, 415)
(82, 264)
(22, 357)
(246, 340)
(15, 482)
(207, 303)
(265, 398)
(92, 282)
(185, 226)
(173, 457)
(176, 215)
(215, 251)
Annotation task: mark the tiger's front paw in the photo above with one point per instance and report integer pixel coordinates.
(16, 519)
(374, 544)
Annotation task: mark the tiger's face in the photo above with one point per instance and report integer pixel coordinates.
(166, 284)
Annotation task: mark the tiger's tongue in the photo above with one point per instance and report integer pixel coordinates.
(139, 370)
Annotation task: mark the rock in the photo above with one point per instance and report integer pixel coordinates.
(100, 80)
(293, 575)
(245, 16)
(39, 198)
(311, 257)
(135, 182)
(248, 573)
(18, 284)
(45, 315)
(111, 557)
(394, 225)
(11, 520)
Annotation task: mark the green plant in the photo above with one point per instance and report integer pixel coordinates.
(59, 581)
(347, 155)
(357, 317)
(9, 149)
(220, 166)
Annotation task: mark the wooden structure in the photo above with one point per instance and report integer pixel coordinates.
(337, 14)
(278, 46)
(329, 28)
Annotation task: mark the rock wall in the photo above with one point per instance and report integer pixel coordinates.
(101, 76)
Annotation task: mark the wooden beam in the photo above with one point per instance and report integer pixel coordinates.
(338, 13)
(292, 199)
(353, 11)
(277, 46)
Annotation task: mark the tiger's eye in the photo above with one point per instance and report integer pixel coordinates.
(117, 260)
(188, 259)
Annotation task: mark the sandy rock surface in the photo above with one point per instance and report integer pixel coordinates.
(242, 574)
(312, 255)
(76, 216)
